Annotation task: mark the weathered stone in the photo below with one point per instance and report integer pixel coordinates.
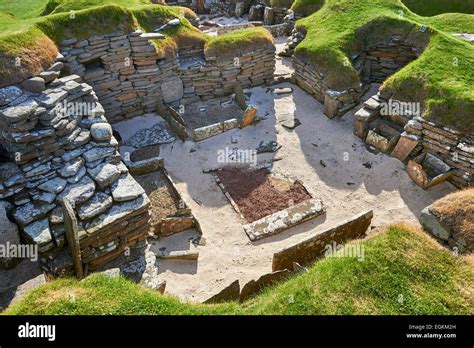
(49, 76)
(146, 166)
(71, 168)
(39, 232)
(229, 293)
(104, 174)
(178, 255)
(331, 106)
(101, 131)
(99, 203)
(19, 112)
(284, 219)
(34, 85)
(10, 170)
(56, 217)
(249, 116)
(44, 197)
(314, 247)
(115, 213)
(126, 189)
(80, 192)
(9, 94)
(268, 146)
(404, 147)
(79, 175)
(51, 99)
(30, 212)
(172, 90)
(433, 226)
(98, 153)
(56, 66)
(254, 287)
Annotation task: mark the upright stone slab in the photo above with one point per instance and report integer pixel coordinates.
(72, 236)
(313, 248)
(404, 147)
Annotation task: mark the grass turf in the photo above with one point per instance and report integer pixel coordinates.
(403, 271)
(63, 19)
(334, 33)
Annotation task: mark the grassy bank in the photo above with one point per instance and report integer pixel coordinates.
(438, 78)
(23, 34)
(403, 272)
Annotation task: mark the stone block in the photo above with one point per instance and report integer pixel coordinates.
(284, 219)
(312, 248)
(229, 293)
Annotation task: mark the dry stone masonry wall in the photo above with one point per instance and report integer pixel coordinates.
(61, 146)
(131, 78)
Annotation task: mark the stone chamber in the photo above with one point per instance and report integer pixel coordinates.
(92, 192)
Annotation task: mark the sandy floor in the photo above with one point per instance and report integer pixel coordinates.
(352, 180)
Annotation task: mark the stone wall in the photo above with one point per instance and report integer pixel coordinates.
(61, 148)
(418, 136)
(130, 77)
(374, 63)
(453, 147)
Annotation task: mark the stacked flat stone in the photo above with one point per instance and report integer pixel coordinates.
(130, 77)
(61, 147)
(452, 147)
(121, 68)
(374, 64)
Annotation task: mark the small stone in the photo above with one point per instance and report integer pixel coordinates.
(98, 153)
(71, 168)
(101, 131)
(34, 85)
(49, 76)
(268, 146)
(56, 66)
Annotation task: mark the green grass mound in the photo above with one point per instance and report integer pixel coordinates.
(403, 271)
(438, 79)
(306, 7)
(23, 36)
(436, 7)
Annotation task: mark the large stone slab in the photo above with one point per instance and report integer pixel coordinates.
(313, 248)
(404, 147)
(126, 189)
(229, 293)
(433, 226)
(284, 219)
(254, 287)
(78, 193)
(172, 90)
(99, 203)
(104, 174)
(117, 212)
(39, 232)
(30, 212)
